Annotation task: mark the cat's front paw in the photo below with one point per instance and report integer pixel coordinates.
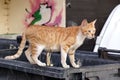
(66, 66)
(76, 66)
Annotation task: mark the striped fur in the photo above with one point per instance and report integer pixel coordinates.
(55, 39)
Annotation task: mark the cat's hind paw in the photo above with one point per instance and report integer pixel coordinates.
(8, 57)
(49, 64)
(43, 64)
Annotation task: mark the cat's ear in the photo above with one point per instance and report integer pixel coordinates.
(84, 22)
(94, 21)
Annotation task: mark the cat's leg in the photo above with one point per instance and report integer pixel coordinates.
(48, 59)
(36, 51)
(28, 55)
(64, 51)
(72, 59)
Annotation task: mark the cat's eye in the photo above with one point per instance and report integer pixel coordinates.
(89, 30)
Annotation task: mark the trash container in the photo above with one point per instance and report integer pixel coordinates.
(93, 68)
(8, 43)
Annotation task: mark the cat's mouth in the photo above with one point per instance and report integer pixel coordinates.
(91, 37)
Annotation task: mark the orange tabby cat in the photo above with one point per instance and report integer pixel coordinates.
(65, 40)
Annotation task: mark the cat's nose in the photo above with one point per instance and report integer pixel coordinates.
(93, 35)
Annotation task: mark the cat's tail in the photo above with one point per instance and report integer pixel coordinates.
(19, 52)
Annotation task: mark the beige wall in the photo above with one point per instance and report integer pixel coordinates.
(13, 14)
(3, 18)
(16, 15)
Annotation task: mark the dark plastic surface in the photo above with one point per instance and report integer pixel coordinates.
(106, 53)
(91, 65)
(8, 43)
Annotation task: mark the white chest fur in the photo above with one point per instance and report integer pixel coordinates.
(79, 41)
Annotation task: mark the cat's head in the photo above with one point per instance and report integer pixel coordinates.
(88, 29)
